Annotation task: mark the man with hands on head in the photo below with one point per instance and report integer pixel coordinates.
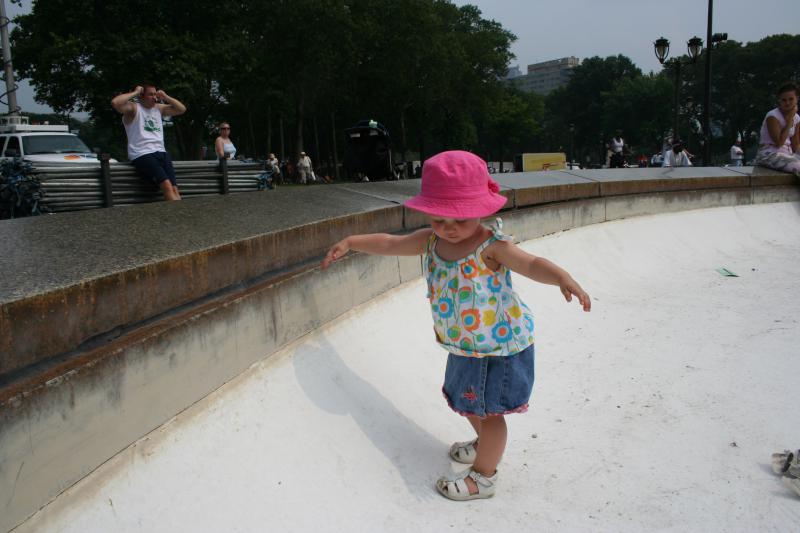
(145, 130)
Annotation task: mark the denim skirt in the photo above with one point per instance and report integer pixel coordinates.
(486, 386)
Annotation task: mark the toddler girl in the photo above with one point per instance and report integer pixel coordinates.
(477, 316)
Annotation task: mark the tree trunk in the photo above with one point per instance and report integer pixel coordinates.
(335, 151)
(403, 136)
(253, 151)
(179, 148)
(420, 141)
(283, 147)
(318, 154)
(188, 138)
(298, 139)
(269, 129)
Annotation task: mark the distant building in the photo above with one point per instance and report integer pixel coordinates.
(546, 76)
(513, 72)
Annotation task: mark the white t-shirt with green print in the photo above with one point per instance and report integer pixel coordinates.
(145, 132)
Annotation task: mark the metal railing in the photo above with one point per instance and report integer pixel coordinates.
(77, 187)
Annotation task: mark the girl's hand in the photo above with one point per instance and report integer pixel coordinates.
(337, 250)
(570, 287)
(789, 116)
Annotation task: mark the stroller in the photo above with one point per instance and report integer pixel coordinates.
(368, 153)
(270, 177)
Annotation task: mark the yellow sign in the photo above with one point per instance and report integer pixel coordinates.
(544, 161)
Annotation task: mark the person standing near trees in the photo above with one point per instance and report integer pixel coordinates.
(617, 146)
(142, 110)
(224, 145)
(273, 165)
(779, 146)
(304, 169)
(737, 153)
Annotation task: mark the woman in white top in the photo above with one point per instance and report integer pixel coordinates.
(779, 146)
(223, 145)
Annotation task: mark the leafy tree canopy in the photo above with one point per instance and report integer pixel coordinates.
(291, 75)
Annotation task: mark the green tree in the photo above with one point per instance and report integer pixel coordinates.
(80, 53)
(305, 50)
(582, 102)
(639, 106)
(426, 68)
(513, 125)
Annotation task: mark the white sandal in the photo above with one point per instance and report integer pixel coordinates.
(455, 488)
(464, 452)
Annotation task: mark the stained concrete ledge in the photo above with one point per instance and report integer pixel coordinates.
(399, 192)
(61, 420)
(531, 188)
(70, 277)
(614, 182)
(760, 176)
(76, 276)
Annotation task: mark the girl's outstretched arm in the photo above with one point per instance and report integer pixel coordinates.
(379, 244)
(538, 269)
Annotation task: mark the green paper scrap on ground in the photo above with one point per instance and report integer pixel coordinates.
(725, 272)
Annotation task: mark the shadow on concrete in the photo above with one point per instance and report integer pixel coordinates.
(333, 387)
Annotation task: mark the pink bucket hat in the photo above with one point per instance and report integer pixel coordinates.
(456, 184)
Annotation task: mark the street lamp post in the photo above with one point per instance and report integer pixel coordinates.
(603, 150)
(707, 93)
(696, 44)
(11, 86)
(694, 47)
(676, 63)
(712, 40)
(571, 145)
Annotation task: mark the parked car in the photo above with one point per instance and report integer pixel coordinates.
(44, 145)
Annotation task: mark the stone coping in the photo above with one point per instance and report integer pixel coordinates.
(71, 277)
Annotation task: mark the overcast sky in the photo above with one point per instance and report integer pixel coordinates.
(550, 29)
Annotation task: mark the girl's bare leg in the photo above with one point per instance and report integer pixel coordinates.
(475, 422)
(492, 435)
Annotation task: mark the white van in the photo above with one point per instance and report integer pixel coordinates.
(43, 145)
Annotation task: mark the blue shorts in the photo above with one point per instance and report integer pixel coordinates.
(487, 386)
(156, 167)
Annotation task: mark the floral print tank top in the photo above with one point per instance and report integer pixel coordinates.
(476, 312)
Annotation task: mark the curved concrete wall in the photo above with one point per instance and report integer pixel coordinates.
(113, 321)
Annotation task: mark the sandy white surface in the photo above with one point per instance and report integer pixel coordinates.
(656, 411)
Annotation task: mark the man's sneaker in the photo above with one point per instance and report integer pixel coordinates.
(786, 461)
(792, 482)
